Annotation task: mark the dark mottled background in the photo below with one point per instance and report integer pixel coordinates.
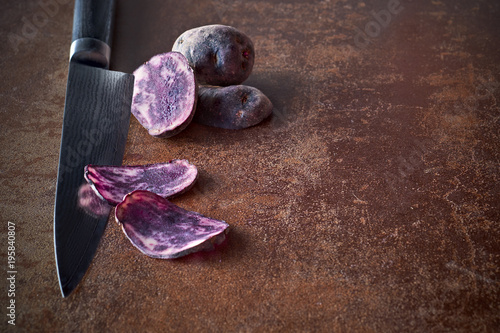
(369, 201)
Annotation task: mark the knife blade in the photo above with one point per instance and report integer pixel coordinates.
(95, 127)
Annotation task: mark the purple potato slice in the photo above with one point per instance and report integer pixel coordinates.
(165, 94)
(160, 229)
(112, 183)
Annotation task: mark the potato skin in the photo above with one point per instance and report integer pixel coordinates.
(220, 55)
(232, 107)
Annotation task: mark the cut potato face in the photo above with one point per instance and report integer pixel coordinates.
(165, 94)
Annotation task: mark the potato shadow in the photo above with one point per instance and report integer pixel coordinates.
(283, 89)
(144, 29)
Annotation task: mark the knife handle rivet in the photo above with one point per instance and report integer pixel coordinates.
(90, 51)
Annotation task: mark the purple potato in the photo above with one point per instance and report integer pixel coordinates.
(220, 55)
(160, 229)
(112, 183)
(233, 107)
(165, 93)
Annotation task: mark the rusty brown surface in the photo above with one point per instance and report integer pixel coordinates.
(369, 201)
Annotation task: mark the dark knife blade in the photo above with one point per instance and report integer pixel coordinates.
(95, 127)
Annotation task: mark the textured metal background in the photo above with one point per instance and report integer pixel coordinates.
(369, 201)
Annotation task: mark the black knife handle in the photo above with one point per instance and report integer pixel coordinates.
(92, 23)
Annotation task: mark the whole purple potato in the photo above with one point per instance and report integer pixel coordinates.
(219, 54)
(232, 107)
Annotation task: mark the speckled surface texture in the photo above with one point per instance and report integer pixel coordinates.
(368, 201)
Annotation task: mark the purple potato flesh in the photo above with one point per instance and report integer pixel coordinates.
(112, 183)
(165, 94)
(233, 107)
(220, 55)
(160, 229)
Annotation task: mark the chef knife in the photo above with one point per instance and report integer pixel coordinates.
(95, 125)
